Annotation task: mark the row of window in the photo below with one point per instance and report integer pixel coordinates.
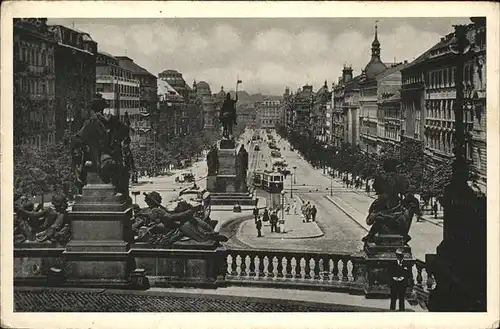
(124, 104)
(36, 86)
(394, 134)
(34, 56)
(123, 89)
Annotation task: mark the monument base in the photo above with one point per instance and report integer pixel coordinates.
(185, 264)
(98, 254)
(378, 257)
(226, 144)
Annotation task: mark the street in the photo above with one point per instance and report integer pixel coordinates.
(341, 216)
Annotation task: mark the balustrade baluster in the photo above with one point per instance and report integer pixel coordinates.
(251, 268)
(261, 267)
(307, 268)
(326, 268)
(335, 269)
(288, 267)
(316, 268)
(430, 280)
(344, 269)
(234, 264)
(355, 266)
(243, 266)
(279, 267)
(298, 267)
(271, 267)
(420, 268)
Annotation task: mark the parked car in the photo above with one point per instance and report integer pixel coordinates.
(185, 177)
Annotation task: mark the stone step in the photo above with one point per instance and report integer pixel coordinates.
(237, 195)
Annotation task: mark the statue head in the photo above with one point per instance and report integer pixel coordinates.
(400, 254)
(390, 165)
(98, 104)
(60, 202)
(153, 199)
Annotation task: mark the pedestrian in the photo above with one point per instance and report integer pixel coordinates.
(287, 209)
(435, 209)
(399, 273)
(314, 211)
(265, 216)
(274, 222)
(255, 213)
(294, 206)
(258, 225)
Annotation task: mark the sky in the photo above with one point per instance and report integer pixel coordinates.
(267, 54)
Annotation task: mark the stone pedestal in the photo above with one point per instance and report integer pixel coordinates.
(185, 264)
(227, 162)
(98, 253)
(378, 256)
(211, 183)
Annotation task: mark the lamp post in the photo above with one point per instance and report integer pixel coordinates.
(294, 174)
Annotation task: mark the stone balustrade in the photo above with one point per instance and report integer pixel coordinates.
(292, 269)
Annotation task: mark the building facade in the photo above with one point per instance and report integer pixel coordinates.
(376, 82)
(34, 83)
(171, 106)
(389, 116)
(205, 93)
(318, 113)
(429, 94)
(144, 125)
(118, 86)
(75, 66)
(268, 113)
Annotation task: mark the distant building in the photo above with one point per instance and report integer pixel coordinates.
(118, 86)
(75, 64)
(204, 92)
(376, 80)
(170, 111)
(268, 113)
(144, 124)
(389, 110)
(345, 121)
(318, 114)
(34, 82)
(303, 103)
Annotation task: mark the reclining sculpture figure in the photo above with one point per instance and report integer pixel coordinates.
(159, 225)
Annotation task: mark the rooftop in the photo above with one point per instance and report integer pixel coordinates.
(129, 64)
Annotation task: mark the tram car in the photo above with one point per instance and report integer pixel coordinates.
(197, 196)
(269, 181)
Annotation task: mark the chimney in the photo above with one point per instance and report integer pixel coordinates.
(347, 73)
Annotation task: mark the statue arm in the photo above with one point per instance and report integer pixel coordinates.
(31, 214)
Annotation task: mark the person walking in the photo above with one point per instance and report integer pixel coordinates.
(435, 210)
(265, 217)
(258, 225)
(399, 273)
(314, 211)
(256, 214)
(274, 222)
(294, 206)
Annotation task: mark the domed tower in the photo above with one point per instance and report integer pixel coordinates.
(375, 66)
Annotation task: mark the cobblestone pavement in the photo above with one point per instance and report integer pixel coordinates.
(49, 300)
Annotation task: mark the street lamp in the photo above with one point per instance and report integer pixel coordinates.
(282, 204)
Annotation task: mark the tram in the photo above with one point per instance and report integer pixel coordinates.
(269, 181)
(202, 196)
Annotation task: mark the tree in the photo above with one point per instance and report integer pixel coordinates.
(40, 171)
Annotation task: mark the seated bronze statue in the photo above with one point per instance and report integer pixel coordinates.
(159, 225)
(387, 215)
